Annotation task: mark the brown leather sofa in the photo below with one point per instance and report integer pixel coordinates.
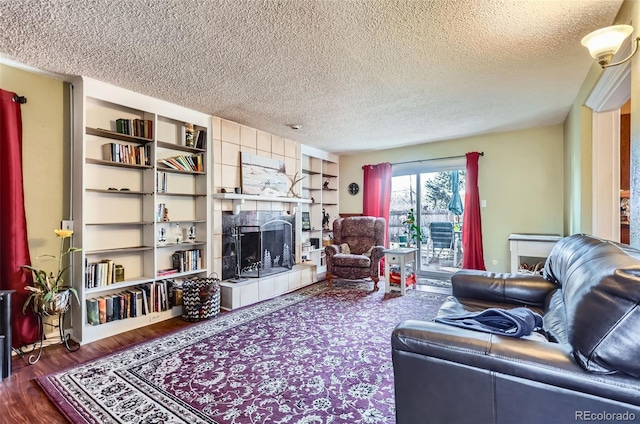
(585, 366)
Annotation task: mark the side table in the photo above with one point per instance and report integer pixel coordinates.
(402, 257)
(530, 245)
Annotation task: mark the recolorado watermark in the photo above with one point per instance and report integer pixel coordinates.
(604, 416)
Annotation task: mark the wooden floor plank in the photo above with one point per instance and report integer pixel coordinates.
(22, 400)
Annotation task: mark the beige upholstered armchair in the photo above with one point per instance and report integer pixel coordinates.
(357, 249)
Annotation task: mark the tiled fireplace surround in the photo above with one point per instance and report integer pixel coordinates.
(246, 291)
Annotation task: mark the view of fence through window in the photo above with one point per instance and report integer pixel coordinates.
(437, 220)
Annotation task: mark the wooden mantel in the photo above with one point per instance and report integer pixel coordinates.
(238, 199)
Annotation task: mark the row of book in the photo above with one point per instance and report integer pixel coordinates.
(103, 273)
(187, 260)
(142, 300)
(135, 127)
(126, 153)
(184, 163)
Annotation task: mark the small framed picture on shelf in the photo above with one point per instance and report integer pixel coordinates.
(306, 222)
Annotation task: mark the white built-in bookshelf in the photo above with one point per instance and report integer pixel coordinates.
(121, 185)
(320, 184)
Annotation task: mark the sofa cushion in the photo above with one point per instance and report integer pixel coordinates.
(601, 292)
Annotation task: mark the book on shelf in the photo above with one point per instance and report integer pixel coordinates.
(201, 139)
(117, 313)
(146, 293)
(102, 310)
(109, 308)
(93, 317)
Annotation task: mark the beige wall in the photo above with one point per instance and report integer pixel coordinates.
(578, 176)
(520, 177)
(45, 151)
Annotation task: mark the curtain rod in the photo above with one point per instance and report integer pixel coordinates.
(431, 159)
(19, 99)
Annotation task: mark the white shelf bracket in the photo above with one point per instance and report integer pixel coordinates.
(237, 206)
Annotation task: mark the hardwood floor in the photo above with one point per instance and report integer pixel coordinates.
(22, 400)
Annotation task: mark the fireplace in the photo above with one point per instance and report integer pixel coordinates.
(256, 244)
(264, 249)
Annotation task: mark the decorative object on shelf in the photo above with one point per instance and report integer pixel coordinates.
(413, 231)
(238, 190)
(177, 234)
(191, 233)
(165, 215)
(325, 185)
(295, 180)
(119, 273)
(162, 238)
(49, 295)
(354, 189)
(325, 220)
(188, 135)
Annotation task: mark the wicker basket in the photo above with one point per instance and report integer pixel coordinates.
(200, 298)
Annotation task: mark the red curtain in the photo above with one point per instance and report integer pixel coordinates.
(472, 225)
(14, 247)
(376, 193)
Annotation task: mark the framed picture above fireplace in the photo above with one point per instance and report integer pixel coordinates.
(263, 176)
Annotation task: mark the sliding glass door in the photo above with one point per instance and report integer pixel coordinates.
(426, 212)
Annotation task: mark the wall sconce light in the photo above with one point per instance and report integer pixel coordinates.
(606, 42)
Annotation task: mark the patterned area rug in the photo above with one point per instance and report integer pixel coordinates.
(434, 283)
(318, 355)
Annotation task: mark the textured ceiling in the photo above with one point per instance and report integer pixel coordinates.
(357, 75)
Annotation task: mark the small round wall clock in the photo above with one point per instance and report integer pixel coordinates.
(353, 188)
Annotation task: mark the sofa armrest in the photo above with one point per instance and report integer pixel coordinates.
(532, 361)
(519, 289)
